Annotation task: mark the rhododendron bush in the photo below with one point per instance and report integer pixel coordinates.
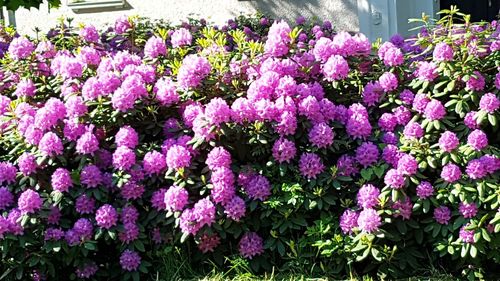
(282, 145)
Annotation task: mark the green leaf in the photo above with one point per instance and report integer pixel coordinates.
(136, 276)
(379, 171)
(360, 246)
(419, 236)
(459, 107)
(473, 251)
(184, 237)
(426, 206)
(365, 254)
(451, 85)
(492, 119)
(437, 124)
(376, 254)
(450, 103)
(367, 174)
(396, 195)
(435, 230)
(451, 250)
(465, 249)
(480, 116)
(139, 246)
(89, 246)
(401, 226)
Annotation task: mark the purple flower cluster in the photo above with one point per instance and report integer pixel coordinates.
(251, 245)
(106, 216)
(310, 165)
(130, 260)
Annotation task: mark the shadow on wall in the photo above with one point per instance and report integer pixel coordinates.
(342, 13)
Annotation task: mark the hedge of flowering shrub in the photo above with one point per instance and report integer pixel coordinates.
(288, 146)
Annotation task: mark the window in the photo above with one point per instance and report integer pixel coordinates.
(78, 5)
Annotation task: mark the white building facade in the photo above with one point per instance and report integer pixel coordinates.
(375, 18)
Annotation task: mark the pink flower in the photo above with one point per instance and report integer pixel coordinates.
(468, 210)
(25, 88)
(87, 143)
(166, 92)
(407, 165)
(420, 102)
(369, 220)
(127, 136)
(393, 57)
(372, 93)
(413, 130)
(258, 188)
(181, 37)
(176, 198)
(192, 71)
(434, 110)
(427, 71)
(27, 163)
(448, 141)
(335, 68)
(477, 139)
(20, 48)
(178, 157)
(123, 158)
(155, 47)
(349, 221)
(6, 198)
(489, 103)
(61, 180)
(467, 236)
(451, 173)
(388, 81)
(50, 144)
(122, 24)
(217, 111)
(154, 162)
(235, 208)
(368, 196)
(323, 49)
(130, 260)
(476, 82)
(394, 179)
(29, 201)
(442, 52)
(89, 33)
(278, 39)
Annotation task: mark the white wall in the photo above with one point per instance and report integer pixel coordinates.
(343, 13)
(384, 18)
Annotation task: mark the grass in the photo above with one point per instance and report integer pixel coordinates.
(285, 277)
(177, 266)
